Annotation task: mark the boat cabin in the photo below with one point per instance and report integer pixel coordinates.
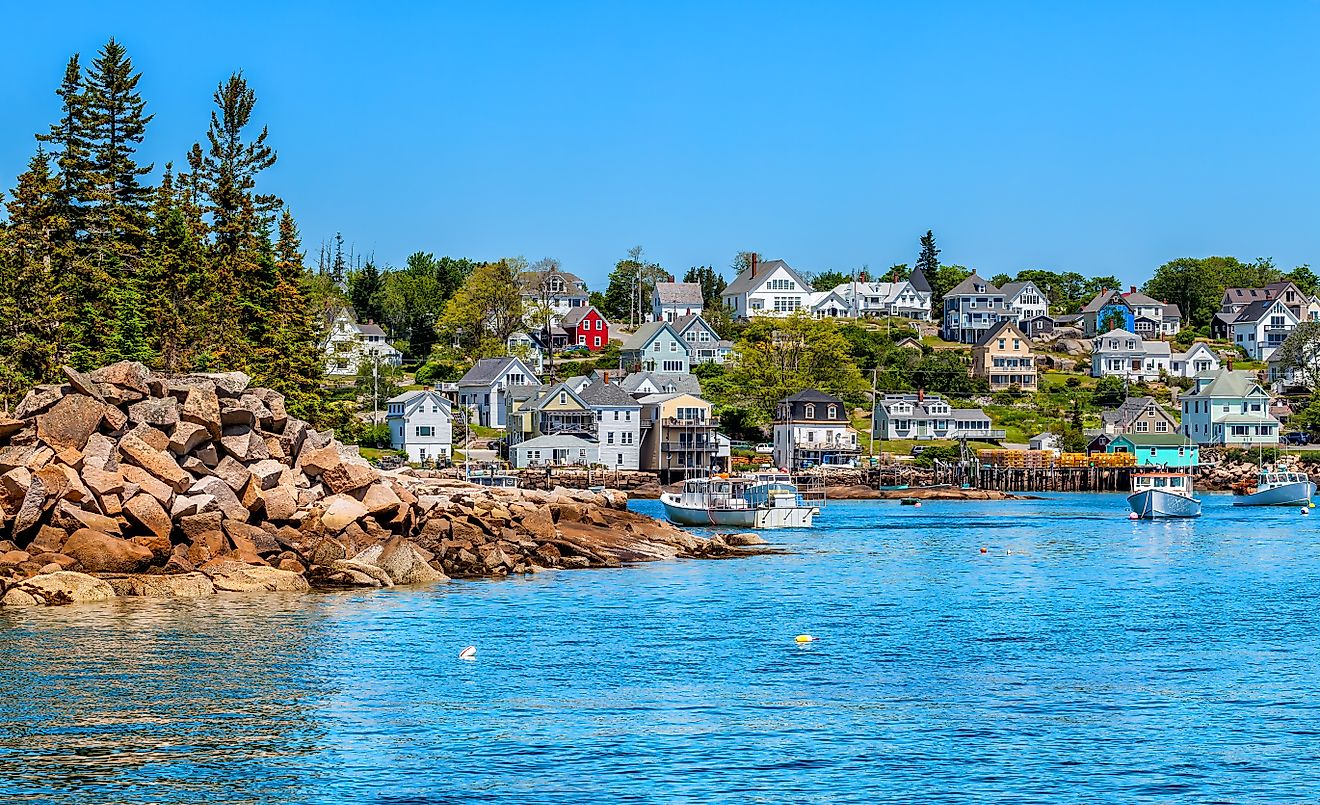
(1176, 483)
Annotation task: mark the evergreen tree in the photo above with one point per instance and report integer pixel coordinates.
(338, 269)
(70, 141)
(364, 290)
(291, 361)
(128, 340)
(712, 285)
(116, 125)
(928, 262)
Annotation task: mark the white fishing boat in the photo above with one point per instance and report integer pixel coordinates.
(764, 500)
(1163, 494)
(494, 479)
(1276, 487)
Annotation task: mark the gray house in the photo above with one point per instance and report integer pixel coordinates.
(923, 416)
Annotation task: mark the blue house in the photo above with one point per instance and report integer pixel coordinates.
(1109, 310)
(1157, 449)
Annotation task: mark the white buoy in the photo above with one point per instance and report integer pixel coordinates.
(469, 653)
(1305, 511)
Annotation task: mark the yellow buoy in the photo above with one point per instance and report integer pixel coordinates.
(805, 638)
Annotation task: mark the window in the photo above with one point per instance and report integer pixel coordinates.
(627, 416)
(1002, 342)
(582, 453)
(609, 437)
(810, 411)
(655, 347)
(425, 430)
(582, 339)
(673, 366)
(834, 412)
(625, 438)
(563, 398)
(1161, 426)
(673, 346)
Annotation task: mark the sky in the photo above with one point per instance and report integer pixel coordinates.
(1104, 138)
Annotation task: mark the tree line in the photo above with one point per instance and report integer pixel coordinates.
(200, 270)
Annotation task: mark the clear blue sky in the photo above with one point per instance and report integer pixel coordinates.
(1105, 139)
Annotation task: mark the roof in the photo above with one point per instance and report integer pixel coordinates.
(1224, 383)
(1256, 310)
(1066, 318)
(1129, 410)
(1139, 298)
(577, 314)
(573, 284)
(811, 395)
(968, 286)
(745, 282)
(684, 384)
(1012, 289)
(406, 396)
(487, 370)
(683, 323)
(1156, 439)
(606, 394)
(1100, 300)
(919, 281)
(969, 413)
(411, 399)
(370, 329)
(1172, 312)
(994, 332)
(647, 333)
(551, 392)
(679, 293)
(560, 440)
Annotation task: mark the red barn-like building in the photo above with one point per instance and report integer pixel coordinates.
(586, 327)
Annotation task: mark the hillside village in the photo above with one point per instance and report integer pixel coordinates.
(701, 379)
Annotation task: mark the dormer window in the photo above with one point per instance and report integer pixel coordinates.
(810, 411)
(556, 285)
(833, 412)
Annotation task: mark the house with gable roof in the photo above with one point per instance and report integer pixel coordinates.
(704, 344)
(1120, 353)
(585, 326)
(1228, 408)
(770, 288)
(922, 416)
(482, 389)
(656, 347)
(1108, 310)
(1262, 326)
(1005, 358)
(1137, 415)
(671, 300)
(970, 308)
(562, 290)
(349, 344)
(1025, 300)
(421, 423)
(1198, 359)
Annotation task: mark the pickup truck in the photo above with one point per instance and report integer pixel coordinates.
(1296, 438)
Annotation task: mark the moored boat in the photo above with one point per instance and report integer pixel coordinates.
(1163, 494)
(767, 500)
(1277, 487)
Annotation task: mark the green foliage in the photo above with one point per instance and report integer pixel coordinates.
(627, 297)
(438, 371)
(944, 279)
(928, 260)
(1300, 353)
(1305, 279)
(933, 453)
(828, 280)
(1109, 392)
(365, 291)
(1197, 285)
(486, 310)
(712, 285)
(412, 299)
(1067, 291)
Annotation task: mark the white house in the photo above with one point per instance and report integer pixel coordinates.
(482, 389)
(672, 300)
(618, 424)
(1261, 327)
(556, 450)
(872, 299)
(704, 344)
(422, 424)
(921, 416)
(1228, 408)
(348, 345)
(1025, 301)
(812, 428)
(529, 347)
(561, 290)
(829, 305)
(656, 347)
(771, 288)
(1119, 353)
(1046, 441)
(1197, 360)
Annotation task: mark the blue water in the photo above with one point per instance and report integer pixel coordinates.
(1081, 658)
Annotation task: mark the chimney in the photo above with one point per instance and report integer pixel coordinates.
(754, 260)
(921, 395)
(607, 377)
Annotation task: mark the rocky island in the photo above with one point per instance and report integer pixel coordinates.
(126, 482)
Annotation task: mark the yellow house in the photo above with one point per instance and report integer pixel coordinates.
(1005, 358)
(678, 435)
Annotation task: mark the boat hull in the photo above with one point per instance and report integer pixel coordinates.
(1298, 493)
(1152, 504)
(764, 517)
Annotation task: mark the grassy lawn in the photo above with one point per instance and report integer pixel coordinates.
(484, 432)
(375, 453)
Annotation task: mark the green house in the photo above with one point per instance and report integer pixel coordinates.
(1157, 449)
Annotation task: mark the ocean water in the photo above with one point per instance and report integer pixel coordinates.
(1080, 658)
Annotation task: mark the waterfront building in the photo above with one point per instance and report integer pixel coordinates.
(349, 345)
(1004, 357)
(1228, 408)
(771, 288)
(812, 428)
(678, 436)
(1121, 353)
(922, 416)
(481, 390)
(655, 347)
(421, 424)
(584, 326)
(1138, 415)
(673, 300)
(972, 307)
(618, 425)
(1172, 450)
(558, 450)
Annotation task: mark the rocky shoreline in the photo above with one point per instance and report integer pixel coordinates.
(122, 482)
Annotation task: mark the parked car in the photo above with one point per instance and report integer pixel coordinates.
(576, 349)
(918, 449)
(1296, 437)
(765, 448)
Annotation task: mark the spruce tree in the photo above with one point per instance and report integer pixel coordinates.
(294, 360)
(116, 124)
(70, 142)
(928, 262)
(364, 289)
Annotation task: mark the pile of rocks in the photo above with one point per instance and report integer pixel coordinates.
(189, 485)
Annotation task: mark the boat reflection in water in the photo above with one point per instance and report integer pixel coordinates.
(761, 500)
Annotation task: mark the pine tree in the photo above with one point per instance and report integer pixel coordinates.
(33, 301)
(70, 141)
(293, 360)
(364, 289)
(338, 271)
(128, 339)
(117, 124)
(928, 263)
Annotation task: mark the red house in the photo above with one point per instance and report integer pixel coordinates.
(586, 327)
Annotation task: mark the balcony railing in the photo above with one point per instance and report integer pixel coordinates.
(674, 422)
(831, 446)
(689, 447)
